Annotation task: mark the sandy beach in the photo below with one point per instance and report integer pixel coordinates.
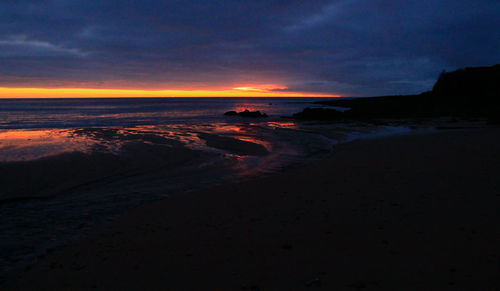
(394, 213)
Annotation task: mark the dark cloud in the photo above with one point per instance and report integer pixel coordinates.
(351, 47)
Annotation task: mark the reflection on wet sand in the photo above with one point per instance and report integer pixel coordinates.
(44, 162)
(24, 145)
(266, 145)
(245, 149)
(41, 163)
(284, 124)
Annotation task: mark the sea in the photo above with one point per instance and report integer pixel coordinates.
(92, 112)
(60, 159)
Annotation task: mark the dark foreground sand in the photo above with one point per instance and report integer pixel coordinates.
(399, 213)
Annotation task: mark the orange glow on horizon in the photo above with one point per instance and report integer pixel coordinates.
(246, 91)
(259, 88)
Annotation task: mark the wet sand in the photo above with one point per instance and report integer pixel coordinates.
(407, 212)
(59, 174)
(56, 162)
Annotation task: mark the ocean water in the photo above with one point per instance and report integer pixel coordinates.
(65, 113)
(61, 159)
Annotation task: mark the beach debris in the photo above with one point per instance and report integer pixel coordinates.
(246, 113)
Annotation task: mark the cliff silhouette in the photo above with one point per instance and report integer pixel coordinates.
(467, 93)
(481, 82)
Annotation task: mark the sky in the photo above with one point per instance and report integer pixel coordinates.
(67, 48)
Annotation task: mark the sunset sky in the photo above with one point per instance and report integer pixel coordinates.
(88, 48)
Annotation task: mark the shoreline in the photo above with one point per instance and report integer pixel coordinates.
(285, 229)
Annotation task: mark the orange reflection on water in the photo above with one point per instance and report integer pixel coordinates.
(224, 128)
(256, 141)
(28, 134)
(282, 124)
(24, 144)
(29, 144)
(242, 167)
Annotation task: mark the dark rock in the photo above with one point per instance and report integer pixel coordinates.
(318, 114)
(231, 113)
(246, 113)
(239, 147)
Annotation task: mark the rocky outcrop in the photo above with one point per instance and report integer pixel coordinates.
(246, 113)
(318, 114)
